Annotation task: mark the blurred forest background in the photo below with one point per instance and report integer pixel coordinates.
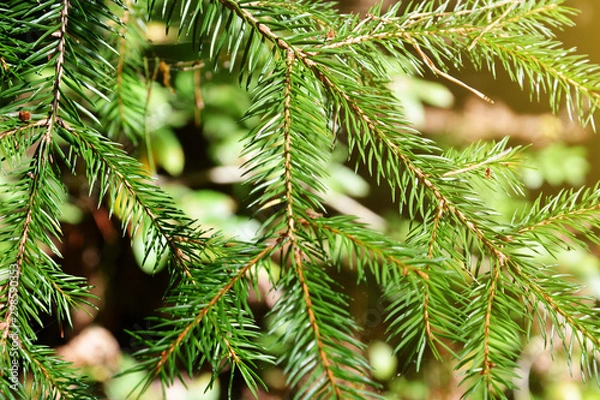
(193, 130)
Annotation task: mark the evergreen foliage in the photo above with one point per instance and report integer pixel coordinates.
(463, 285)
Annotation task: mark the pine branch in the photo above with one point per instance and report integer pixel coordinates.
(345, 237)
(419, 307)
(300, 162)
(493, 341)
(124, 112)
(295, 156)
(440, 190)
(558, 221)
(34, 217)
(461, 281)
(31, 221)
(543, 64)
(208, 322)
(572, 316)
(481, 156)
(53, 378)
(137, 201)
(323, 361)
(423, 315)
(354, 108)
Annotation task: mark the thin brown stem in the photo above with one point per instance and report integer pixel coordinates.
(478, 165)
(417, 17)
(487, 363)
(436, 225)
(315, 324)
(58, 69)
(449, 77)
(121, 63)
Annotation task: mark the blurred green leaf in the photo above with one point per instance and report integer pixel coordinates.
(168, 152)
(556, 164)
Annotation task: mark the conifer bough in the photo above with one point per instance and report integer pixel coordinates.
(462, 285)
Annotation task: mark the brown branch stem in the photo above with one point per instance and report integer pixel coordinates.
(314, 324)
